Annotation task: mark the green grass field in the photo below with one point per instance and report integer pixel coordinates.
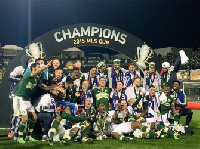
(189, 142)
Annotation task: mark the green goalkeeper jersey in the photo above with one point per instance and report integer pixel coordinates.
(101, 95)
(26, 86)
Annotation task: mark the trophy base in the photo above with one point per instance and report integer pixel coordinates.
(141, 65)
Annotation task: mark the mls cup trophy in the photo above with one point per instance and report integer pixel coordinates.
(35, 50)
(143, 54)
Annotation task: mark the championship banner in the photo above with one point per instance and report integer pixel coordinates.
(183, 75)
(195, 74)
(89, 34)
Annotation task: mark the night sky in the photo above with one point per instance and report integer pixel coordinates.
(159, 24)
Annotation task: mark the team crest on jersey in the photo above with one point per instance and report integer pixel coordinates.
(30, 85)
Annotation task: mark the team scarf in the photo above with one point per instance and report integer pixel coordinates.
(164, 77)
(105, 75)
(116, 77)
(85, 95)
(151, 78)
(93, 84)
(153, 102)
(116, 98)
(129, 79)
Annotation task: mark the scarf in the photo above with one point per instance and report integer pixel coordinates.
(91, 84)
(164, 77)
(116, 77)
(85, 95)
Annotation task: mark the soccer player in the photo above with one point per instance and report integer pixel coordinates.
(151, 77)
(83, 94)
(168, 74)
(102, 72)
(153, 104)
(65, 114)
(102, 125)
(115, 73)
(101, 94)
(123, 122)
(167, 106)
(117, 95)
(136, 93)
(130, 75)
(45, 108)
(180, 103)
(23, 97)
(92, 78)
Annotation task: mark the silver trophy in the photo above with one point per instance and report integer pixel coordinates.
(35, 50)
(143, 54)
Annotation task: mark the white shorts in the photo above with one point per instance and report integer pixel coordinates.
(16, 106)
(123, 128)
(59, 132)
(138, 133)
(165, 119)
(23, 106)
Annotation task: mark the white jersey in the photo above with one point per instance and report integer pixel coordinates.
(46, 103)
(132, 92)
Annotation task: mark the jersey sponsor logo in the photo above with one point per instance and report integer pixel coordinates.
(30, 85)
(102, 95)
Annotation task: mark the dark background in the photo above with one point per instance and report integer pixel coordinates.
(159, 24)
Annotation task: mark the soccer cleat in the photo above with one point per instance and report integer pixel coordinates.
(64, 142)
(44, 138)
(158, 134)
(104, 137)
(31, 139)
(99, 137)
(50, 142)
(163, 136)
(21, 141)
(86, 139)
(128, 138)
(14, 138)
(176, 135)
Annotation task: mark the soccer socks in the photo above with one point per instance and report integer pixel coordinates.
(21, 129)
(71, 135)
(31, 125)
(121, 137)
(176, 119)
(54, 128)
(150, 134)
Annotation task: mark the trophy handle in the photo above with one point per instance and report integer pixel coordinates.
(138, 52)
(42, 54)
(150, 54)
(27, 52)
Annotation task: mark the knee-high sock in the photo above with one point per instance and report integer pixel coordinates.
(54, 128)
(21, 129)
(31, 125)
